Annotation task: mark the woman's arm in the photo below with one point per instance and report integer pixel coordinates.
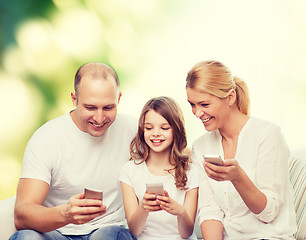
(254, 199)
(212, 230)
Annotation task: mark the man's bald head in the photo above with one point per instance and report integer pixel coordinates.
(99, 71)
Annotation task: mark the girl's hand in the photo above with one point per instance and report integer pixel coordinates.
(230, 171)
(169, 205)
(149, 203)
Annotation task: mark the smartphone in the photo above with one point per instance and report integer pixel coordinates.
(155, 188)
(93, 193)
(214, 159)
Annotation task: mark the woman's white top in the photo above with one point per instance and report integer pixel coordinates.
(263, 154)
(160, 224)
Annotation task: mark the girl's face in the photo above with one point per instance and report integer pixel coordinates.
(158, 133)
(211, 110)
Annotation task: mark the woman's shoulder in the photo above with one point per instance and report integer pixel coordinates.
(262, 126)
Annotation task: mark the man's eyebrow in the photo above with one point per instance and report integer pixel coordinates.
(89, 105)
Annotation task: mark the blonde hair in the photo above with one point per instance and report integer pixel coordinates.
(215, 78)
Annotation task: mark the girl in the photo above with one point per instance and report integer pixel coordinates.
(157, 157)
(252, 186)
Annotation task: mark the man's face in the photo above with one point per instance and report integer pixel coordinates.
(96, 105)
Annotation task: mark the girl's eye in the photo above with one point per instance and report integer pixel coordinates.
(165, 128)
(148, 128)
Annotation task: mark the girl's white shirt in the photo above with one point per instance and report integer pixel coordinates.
(160, 224)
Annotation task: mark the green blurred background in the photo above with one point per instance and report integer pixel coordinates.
(151, 44)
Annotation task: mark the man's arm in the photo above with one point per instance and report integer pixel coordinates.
(31, 214)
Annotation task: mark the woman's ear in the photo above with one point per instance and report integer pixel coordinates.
(231, 98)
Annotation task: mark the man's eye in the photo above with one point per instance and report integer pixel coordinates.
(205, 105)
(108, 108)
(90, 108)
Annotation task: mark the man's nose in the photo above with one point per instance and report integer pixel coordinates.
(99, 116)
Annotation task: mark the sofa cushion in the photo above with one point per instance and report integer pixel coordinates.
(297, 169)
(7, 227)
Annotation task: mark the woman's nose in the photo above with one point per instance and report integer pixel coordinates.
(198, 112)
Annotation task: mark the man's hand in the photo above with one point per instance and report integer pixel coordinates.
(79, 210)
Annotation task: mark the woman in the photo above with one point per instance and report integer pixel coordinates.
(252, 187)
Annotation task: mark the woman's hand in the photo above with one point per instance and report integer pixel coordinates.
(230, 171)
(170, 205)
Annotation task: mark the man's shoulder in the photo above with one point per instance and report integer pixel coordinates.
(125, 121)
(53, 125)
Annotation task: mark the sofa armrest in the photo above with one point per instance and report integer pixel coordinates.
(7, 226)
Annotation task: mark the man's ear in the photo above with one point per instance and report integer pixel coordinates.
(74, 99)
(119, 96)
(232, 97)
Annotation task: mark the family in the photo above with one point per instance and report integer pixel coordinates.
(247, 196)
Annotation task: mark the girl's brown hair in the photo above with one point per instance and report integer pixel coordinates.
(170, 110)
(215, 78)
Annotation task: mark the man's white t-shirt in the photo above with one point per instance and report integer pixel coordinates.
(68, 159)
(263, 154)
(160, 224)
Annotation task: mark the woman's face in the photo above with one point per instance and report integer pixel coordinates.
(211, 110)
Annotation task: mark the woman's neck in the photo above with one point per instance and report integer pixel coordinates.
(233, 126)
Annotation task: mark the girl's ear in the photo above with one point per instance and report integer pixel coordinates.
(231, 98)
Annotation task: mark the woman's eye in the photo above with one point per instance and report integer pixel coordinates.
(165, 129)
(148, 128)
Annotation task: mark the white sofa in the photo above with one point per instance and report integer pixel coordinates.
(297, 168)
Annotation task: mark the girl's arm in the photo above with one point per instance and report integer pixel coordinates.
(186, 220)
(185, 213)
(212, 230)
(137, 213)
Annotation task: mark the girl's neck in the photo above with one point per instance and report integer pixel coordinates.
(159, 162)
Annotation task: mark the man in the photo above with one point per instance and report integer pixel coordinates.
(83, 148)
